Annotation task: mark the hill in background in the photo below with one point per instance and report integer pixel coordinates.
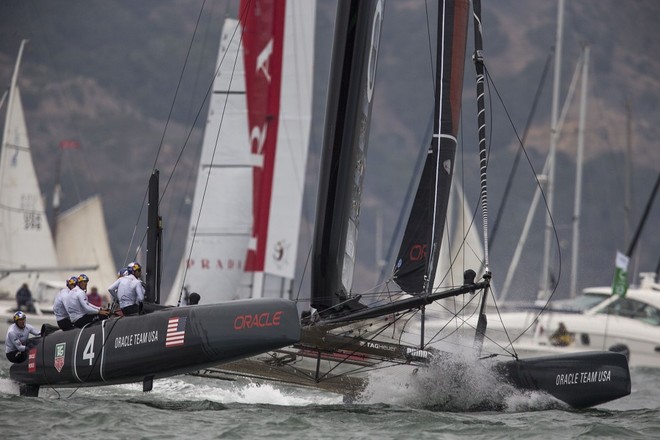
(111, 74)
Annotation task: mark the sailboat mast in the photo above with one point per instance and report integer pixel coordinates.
(478, 59)
(154, 242)
(481, 122)
(577, 203)
(627, 192)
(544, 288)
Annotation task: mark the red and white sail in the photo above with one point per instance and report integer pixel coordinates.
(248, 199)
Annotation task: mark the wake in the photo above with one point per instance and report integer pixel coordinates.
(456, 382)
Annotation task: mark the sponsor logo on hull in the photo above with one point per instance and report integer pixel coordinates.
(259, 320)
(32, 360)
(60, 352)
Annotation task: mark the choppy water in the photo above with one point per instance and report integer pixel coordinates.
(192, 407)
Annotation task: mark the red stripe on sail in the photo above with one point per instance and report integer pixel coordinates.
(263, 40)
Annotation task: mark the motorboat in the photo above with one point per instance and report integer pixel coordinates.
(595, 320)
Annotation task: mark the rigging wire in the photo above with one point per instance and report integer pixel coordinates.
(188, 136)
(516, 160)
(423, 152)
(162, 139)
(547, 209)
(215, 144)
(189, 178)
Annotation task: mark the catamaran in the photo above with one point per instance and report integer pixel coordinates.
(342, 329)
(344, 337)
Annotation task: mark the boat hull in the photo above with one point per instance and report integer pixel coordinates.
(171, 341)
(581, 380)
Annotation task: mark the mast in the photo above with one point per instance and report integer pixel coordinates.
(620, 282)
(345, 140)
(577, 203)
(154, 242)
(627, 193)
(544, 288)
(416, 262)
(478, 59)
(537, 193)
(627, 185)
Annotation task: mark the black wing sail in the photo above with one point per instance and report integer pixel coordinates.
(417, 259)
(348, 113)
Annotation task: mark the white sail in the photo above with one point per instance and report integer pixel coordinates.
(25, 237)
(222, 216)
(462, 247)
(292, 139)
(85, 223)
(220, 221)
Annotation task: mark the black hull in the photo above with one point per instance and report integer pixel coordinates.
(581, 380)
(341, 365)
(141, 348)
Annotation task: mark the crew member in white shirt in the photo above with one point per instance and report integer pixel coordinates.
(80, 311)
(61, 315)
(128, 290)
(17, 340)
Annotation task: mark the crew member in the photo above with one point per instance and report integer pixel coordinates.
(94, 297)
(128, 290)
(17, 339)
(24, 299)
(80, 311)
(193, 299)
(59, 309)
(561, 337)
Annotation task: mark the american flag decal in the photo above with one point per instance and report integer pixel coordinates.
(176, 330)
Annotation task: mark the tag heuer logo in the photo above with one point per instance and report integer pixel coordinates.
(60, 349)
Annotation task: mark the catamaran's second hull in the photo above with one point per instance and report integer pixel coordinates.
(581, 380)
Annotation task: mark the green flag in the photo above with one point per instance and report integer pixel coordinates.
(620, 282)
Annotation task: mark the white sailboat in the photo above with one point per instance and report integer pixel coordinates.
(243, 235)
(27, 251)
(342, 338)
(85, 223)
(26, 244)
